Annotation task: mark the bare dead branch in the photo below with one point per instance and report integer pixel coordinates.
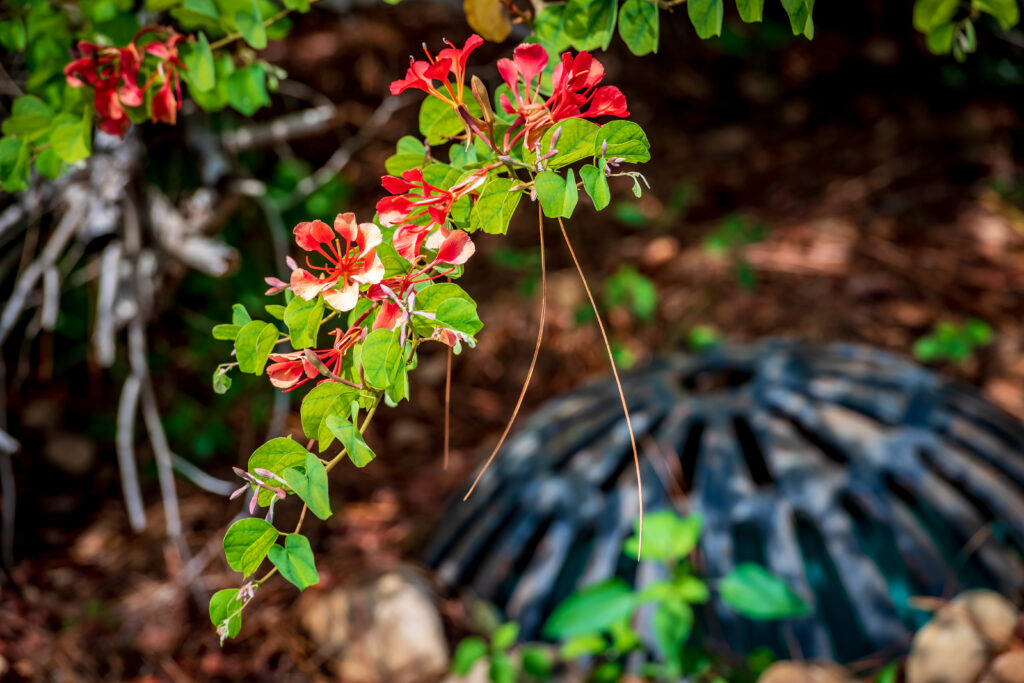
(103, 333)
(126, 408)
(305, 123)
(66, 228)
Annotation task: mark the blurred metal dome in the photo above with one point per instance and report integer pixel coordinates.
(858, 477)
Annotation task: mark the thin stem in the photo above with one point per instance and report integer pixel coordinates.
(618, 384)
(362, 430)
(447, 404)
(533, 361)
(232, 37)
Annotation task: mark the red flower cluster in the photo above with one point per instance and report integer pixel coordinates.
(575, 81)
(113, 72)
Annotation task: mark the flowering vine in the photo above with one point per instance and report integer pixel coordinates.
(378, 290)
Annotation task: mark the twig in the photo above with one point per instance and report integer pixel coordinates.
(26, 283)
(51, 299)
(200, 478)
(533, 361)
(103, 333)
(447, 404)
(312, 121)
(232, 37)
(618, 385)
(126, 408)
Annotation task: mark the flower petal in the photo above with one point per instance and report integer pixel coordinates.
(456, 248)
(343, 299)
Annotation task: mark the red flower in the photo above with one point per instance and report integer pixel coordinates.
(419, 208)
(349, 266)
(291, 370)
(113, 72)
(450, 61)
(574, 81)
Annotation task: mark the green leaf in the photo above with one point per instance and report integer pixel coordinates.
(225, 332)
(13, 36)
(221, 381)
(549, 28)
(800, 20)
(537, 661)
(505, 636)
(459, 315)
(557, 195)
(583, 645)
(889, 673)
(295, 561)
(750, 10)
(276, 455)
(329, 398)
(595, 608)
(596, 184)
(397, 164)
(439, 122)
(439, 299)
(201, 68)
(590, 24)
(929, 14)
(692, 590)
(311, 486)
(706, 17)
(468, 653)
(250, 25)
(625, 140)
(48, 163)
(638, 26)
(71, 137)
(226, 607)
(755, 593)
(240, 316)
(501, 669)
(246, 544)
(666, 536)
(940, 39)
(672, 624)
(382, 358)
(205, 7)
(30, 118)
(358, 452)
(15, 158)
(1006, 12)
(303, 321)
(253, 345)
(575, 141)
(246, 90)
(493, 210)
(298, 5)
(275, 310)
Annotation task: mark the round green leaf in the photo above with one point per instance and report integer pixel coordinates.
(295, 561)
(638, 26)
(253, 345)
(468, 653)
(310, 485)
(303, 321)
(596, 184)
(226, 607)
(755, 593)
(382, 358)
(246, 544)
(706, 17)
(595, 608)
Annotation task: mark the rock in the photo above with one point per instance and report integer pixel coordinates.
(948, 649)
(1006, 668)
(804, 672)
(388, 629)
(993, 616)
